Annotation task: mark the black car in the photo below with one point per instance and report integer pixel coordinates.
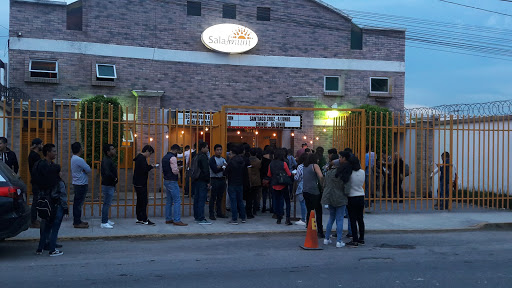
(14, 211)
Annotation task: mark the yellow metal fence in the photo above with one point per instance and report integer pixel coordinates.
(479, 149)
(417, 161)
(128, 128)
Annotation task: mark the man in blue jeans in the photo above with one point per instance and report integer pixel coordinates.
(50, 184)
(201, 184)
(447, 172)
(80, 171)
(236, 171)
(218, 182)
(108, 183)
(171, 173)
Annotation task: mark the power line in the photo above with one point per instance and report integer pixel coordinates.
(456, 52)
(430, 23)
(477, 8)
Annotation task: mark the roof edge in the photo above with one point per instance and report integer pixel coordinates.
(332, 8)
(45, 2)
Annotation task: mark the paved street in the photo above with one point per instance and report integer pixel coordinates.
(461, 259)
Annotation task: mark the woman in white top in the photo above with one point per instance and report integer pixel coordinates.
(353, 176)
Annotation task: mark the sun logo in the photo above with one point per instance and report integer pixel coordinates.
(241, 33)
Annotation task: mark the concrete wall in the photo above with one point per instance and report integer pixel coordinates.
(481, 157)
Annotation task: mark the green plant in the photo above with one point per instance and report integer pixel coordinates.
(379, 117)
(92, 117)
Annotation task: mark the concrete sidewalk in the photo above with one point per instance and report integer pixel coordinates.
(375, 223)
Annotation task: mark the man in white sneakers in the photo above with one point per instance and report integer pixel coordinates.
(108, 183)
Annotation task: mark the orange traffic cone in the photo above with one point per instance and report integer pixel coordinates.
(311, 242)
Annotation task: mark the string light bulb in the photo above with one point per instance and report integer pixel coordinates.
(151, 139)
(135, 135)
(325, 130)
(317, 138)
(257, 132)
(167, 136)
(182, 132)
(293, 134)
(305, 137)
(274, 134)
(238, 132)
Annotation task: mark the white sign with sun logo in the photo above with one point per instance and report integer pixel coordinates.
(229, 38)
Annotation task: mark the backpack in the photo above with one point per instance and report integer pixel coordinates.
(407, 170)
(45, 205)
(195, 171)
(283, 179)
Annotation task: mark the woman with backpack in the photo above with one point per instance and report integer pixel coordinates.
(312, 177)
(353, 177)
(280, 179)
(335, 197)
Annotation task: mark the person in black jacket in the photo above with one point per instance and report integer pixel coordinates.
(8, 156)
(49, 182)
(236, 173)
(201, 184)
(268, 155)
(33, 157)
(108, 183)
(140, 182)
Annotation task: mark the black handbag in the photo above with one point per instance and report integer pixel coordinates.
(283, 179)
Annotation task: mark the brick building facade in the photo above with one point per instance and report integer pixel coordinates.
(156, 45)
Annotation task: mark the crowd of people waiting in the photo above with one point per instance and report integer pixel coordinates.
(257, 180)
(270, 177)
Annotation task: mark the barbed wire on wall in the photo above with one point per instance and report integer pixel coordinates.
(13, 94)
(494, 108)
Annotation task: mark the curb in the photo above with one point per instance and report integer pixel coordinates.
(496, 226)
(477, 227)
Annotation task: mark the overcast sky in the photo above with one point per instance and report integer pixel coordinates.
(432, 77)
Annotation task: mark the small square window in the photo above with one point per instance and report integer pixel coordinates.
(193, 8)
(128, 135)
(263, 14)
(229, 11)
(379, 85)
(106, 71)
(44, 69)
(332, 84)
